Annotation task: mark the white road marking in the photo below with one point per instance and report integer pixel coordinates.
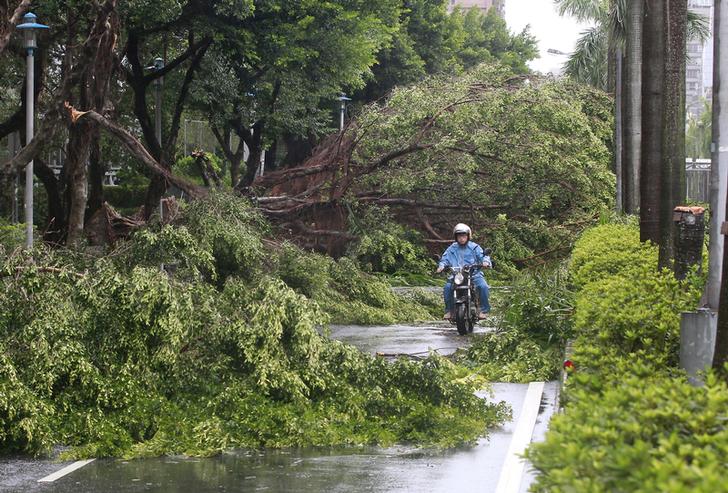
(512, 472)
(66, 470)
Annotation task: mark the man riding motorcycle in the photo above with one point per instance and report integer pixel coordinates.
(465, 252)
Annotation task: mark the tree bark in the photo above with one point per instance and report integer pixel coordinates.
(234, 157)
(97, 172)
(619, 129)
(255, 153)
(673, 185)
(633, 106)
(653, 64)
(56, 220)
(79, 143)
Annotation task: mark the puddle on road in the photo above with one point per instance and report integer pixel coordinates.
(414, 340)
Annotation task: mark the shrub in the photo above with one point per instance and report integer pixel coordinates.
(632, 422)
(12, 236)
(639, 309)
(609, 250)
(534, 324)
(649, 432)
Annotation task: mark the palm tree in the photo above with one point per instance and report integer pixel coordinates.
(652, 177)
(632, 106)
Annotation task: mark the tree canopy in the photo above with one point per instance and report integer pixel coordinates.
(257, 73)
(519, 158)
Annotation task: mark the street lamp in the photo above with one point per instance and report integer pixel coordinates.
(29, 28)
(343, 100)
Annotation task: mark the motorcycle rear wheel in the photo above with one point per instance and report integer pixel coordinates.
(461, 319)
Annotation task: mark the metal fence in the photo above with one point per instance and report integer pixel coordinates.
(697, 178)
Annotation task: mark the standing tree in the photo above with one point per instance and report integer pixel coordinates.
(632, 106)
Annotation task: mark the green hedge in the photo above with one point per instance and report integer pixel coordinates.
(631, 422)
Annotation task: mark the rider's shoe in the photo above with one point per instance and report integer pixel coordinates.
(483, 315)
(447, 316)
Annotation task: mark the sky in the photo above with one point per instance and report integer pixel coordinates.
(550, 29)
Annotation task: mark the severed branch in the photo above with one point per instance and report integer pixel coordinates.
(137, 150)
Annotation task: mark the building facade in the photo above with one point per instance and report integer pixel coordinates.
(484, 5)
(699, 66)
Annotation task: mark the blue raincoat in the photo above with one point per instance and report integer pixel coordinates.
(469, 254)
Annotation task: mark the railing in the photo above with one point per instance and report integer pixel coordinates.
(697, 179)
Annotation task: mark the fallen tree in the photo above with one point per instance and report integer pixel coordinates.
(525, 161)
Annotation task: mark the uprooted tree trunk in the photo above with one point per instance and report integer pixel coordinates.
(308, 200)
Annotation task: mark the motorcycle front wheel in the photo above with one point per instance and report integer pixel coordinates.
(461, 319)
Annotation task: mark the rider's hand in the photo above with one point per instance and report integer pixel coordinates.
(440, 269)
(486, 265)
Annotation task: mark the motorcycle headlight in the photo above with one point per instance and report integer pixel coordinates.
(458, 278)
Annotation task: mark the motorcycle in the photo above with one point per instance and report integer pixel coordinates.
(465, 314)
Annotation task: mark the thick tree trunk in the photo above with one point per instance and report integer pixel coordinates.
(633, 106)
(56, 221)
(653, 64)
(619, 130)
(78, 148)
(673, 174)
(255, 153)
(97, 172)
(270, 157)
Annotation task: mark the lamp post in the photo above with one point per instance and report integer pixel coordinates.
(29, 28)
(343, 100)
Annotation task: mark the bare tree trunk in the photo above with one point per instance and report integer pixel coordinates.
(255, 153)
(97, 172)
(79, 143)
(56, 221)
(653, 56)
(673, 177)
(633, 106)
(619, 130)
(234, 157)
(270, 157)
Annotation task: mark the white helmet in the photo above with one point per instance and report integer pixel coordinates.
(461, 228)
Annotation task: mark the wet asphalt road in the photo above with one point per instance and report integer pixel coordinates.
(370, 469)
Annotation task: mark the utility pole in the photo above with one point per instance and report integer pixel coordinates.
(704, 333)
(719, 158)
(717, 280)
